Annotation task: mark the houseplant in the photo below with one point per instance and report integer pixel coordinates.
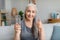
(21, 14)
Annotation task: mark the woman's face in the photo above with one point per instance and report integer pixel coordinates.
(30, 13)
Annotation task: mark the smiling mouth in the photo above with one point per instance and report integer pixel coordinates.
(29, 16)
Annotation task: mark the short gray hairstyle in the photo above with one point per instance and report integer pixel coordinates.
(31, 4)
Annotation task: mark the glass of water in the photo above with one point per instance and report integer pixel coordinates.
(18, 19)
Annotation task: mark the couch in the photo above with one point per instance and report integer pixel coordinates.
(7, 32)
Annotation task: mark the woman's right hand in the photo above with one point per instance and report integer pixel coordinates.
(17, 28)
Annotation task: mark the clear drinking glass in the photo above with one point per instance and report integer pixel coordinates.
(18, 19)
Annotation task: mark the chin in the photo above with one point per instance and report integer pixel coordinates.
(30, 19)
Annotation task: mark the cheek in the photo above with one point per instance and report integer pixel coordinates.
(33, 15)
(27, 14)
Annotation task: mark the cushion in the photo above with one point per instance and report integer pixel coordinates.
(56, 33)
(48, 29)
(6, 32)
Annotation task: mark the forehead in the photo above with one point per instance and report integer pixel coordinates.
(31, 8)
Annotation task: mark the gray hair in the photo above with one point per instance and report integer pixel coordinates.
(31, 4)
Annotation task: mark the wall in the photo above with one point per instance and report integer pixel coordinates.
(8, 5)
(45, 7)
(1, 4)
(19, 4)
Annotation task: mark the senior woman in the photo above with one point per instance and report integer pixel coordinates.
(29, 29)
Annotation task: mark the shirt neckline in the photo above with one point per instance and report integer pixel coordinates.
(26, 26)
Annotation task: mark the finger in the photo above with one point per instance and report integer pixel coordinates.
(18, 28)
(16, 23)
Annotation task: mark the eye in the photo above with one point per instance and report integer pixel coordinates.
(28, 10)
(33, 11)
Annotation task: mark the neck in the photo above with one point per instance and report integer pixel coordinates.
(28, 23)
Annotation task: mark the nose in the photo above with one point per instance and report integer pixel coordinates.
(31, 13)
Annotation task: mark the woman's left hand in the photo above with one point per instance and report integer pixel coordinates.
(39, 24)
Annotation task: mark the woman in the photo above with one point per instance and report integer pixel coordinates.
(29, 29)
